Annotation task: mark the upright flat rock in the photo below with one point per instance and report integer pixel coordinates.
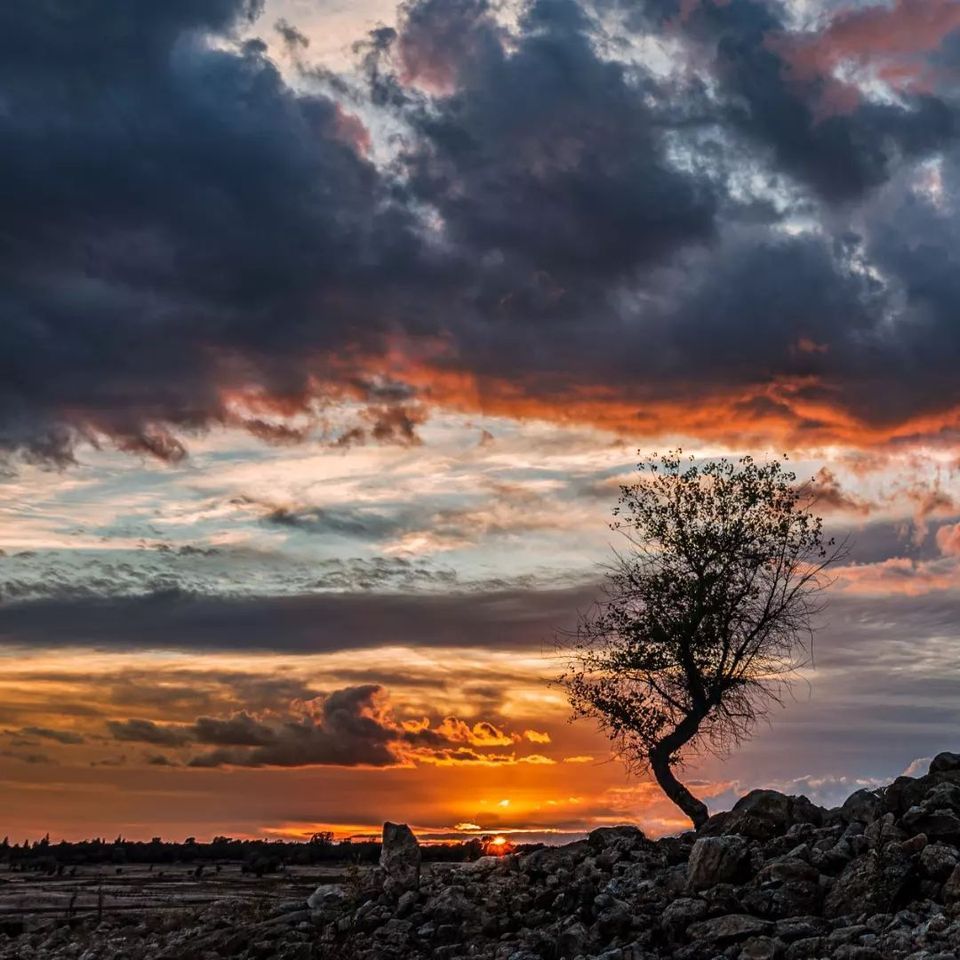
(399, 859)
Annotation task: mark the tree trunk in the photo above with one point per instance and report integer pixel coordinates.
(695, 809)
(660, 755)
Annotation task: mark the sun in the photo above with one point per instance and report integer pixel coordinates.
(498, 846)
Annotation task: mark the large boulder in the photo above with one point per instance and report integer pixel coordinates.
(937, 815)
(604, 837)
(764, 814)
(399, 859)
(548, 860)
(907, 792)
(716, 860)
(862, 806)
(945, 761)
(873, 883)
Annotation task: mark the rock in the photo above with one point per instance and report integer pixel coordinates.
(679, 914)
(573, 940)
(761, 948)
(764, 814)
(326, 895)
(863, 806)
(937, 815)
(945, 761)
(548, 860)
(788, 887)
(716, 860)
(883, 831)
(916, 844)
(775, 879)
(951, 888)
(799, 928)
(604, 837)
(805, 949)
(399, 859)
(873, 883)
(613, 917)
(406, 902)
(450, 905)
(722, 931)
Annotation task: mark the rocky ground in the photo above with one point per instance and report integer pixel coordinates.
(776, 877)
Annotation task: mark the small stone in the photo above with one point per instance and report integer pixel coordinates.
(951, 888)
(761, 948)
(726, 930)
(327, 894)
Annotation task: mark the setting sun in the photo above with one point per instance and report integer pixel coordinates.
(499, 846)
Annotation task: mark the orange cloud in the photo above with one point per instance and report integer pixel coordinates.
(948, 539)
(534, 736)
(798, 412)
(481, 734)
(885, 41)
(897, 575)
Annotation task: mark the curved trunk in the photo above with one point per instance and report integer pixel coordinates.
(695, 809)
(659, 757)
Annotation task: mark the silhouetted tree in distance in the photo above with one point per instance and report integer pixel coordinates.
(706, 616)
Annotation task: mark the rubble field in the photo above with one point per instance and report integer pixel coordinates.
(776, 878)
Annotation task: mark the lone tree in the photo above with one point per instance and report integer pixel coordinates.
(705, 617)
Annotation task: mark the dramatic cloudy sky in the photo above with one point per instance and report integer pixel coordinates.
(329, 329)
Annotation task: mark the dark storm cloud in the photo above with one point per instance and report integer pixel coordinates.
(182, 229)
(840, 154)
(58, 736)
(348, 727)
(549, 165)
(348, 730)
(240, 730)
(176, 221)
(146, 731)
(546, 153)
(509, 618)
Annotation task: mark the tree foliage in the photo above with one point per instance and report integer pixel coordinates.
(707, 614)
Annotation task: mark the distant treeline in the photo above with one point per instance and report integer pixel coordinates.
(257, 856)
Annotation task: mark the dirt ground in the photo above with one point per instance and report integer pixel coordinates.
(148, 888)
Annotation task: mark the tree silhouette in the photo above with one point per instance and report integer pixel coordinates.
(705, 617)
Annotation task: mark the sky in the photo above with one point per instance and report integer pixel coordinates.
(330, 330)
